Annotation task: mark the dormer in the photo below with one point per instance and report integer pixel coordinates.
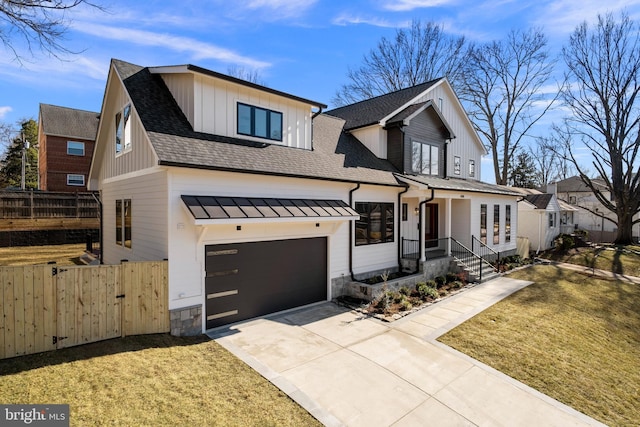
(219, 104)
(421, 130)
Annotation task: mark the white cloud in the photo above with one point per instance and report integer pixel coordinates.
(199, 50)
(280, 9)
(348, 19)
(4, 110)
(408, 5)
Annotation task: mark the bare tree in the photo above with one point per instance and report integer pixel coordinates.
(603, 63)
(546, 160)
(40, 23)
(503, 83)
(415, 55)
(252, 76)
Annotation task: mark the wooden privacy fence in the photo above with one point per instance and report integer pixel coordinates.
(46, 204)
(47, 307)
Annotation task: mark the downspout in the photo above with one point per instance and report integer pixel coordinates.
(400, 227)
(313, 116)
(97, 199)
(420, 236)
(351, 234)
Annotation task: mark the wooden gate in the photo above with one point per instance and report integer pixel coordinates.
(46, 307)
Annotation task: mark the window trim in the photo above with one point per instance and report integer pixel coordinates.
(507, 224)
(472, 168)
(430, 162)
(483, 223)
(457, 165)
(252, 120)
(123, 130)
(385, 220)
(496, 224)
(123, 212)
(69, 175)
(75, 154)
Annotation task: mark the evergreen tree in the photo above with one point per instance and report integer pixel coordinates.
(523, 172)
(11, 164)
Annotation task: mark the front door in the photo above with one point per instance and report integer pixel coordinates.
(431, 225)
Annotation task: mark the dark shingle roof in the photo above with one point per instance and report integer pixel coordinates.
(69, 122)
(335, 155)
(370, 111)
(540, 201)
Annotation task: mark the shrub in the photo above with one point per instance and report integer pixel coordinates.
(451, 277)
(564, 242)
(440, 281)
(404, 290)
(397, 297)
(405, 305)
(432, 284)
(457, 284)
(427, 291)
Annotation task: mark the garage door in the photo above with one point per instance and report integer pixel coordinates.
(245, 280)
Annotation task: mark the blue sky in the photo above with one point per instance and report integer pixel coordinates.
(303, 47)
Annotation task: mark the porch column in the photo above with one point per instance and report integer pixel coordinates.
(448, 224)
(423, 255)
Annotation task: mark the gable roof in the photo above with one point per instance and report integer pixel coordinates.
(334, 157)
(540, 201)
(68, 122)
(371, 111)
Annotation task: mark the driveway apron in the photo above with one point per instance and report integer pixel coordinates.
(348, 369)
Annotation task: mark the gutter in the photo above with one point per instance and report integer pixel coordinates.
(351, 226)
(420, 233)
(313, 116)
(400, 227)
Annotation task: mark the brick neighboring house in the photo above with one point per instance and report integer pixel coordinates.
(66, 138)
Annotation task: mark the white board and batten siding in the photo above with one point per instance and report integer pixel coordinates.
(210, 105)
(141, 154)
(148, 194)
(374, 138)
(378, 256)
(186, 251)
(490, 200)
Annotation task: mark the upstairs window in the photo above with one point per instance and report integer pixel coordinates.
(472, 168)
(376, 223)
(123, 129)
(259, 122)
(425, 158)
(75, 148)
(75, 180)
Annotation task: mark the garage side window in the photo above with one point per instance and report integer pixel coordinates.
(376, 223)
(123, 223)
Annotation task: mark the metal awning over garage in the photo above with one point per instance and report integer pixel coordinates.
(219, 209)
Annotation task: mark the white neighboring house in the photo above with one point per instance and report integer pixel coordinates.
(542, 217)
(261, 203)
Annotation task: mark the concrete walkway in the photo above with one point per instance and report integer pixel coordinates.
(348, 369)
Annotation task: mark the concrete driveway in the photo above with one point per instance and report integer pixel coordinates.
(347, 369)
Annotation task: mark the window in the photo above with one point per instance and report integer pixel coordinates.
(507, 224)
(405, 211)
(440, 103)
(456, 165)
(552, 220)
(123, 129)
(75, 180)
(425, 158)
(259, 122)
(123, 223)
(375, 224)
(75, 148)
(472, 168)
(483, 224)
(572, 200)
(496, 224)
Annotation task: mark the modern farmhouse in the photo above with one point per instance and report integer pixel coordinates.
(262, 202)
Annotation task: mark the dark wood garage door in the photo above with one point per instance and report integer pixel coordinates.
(245, 280)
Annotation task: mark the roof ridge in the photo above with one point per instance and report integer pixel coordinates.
(395, 92)
(43, 104)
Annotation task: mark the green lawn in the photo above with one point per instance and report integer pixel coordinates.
(616, 259)
(150, 380)
(573, 337)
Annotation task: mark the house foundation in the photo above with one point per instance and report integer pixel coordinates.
(186, 321)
